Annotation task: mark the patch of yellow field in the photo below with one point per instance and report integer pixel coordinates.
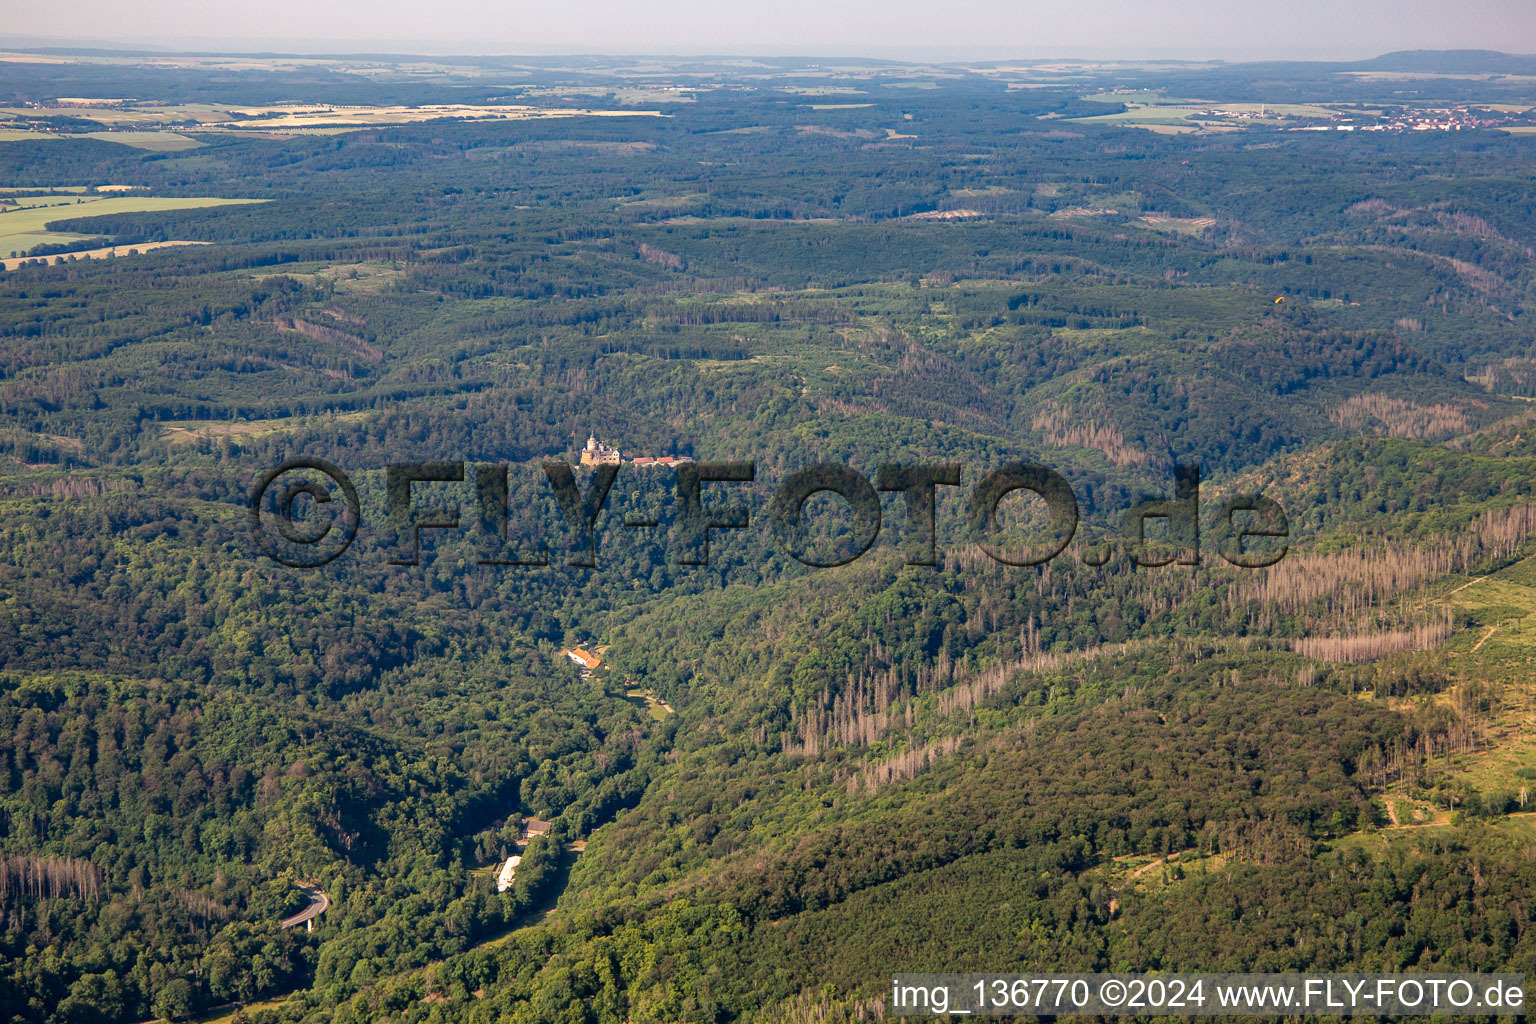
(62, 190)
(32, 58)
(93, 254)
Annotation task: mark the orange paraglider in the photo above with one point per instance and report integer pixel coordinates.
(1279, 299)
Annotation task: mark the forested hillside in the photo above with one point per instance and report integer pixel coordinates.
(783, 784)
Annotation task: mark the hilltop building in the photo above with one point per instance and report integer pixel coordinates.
(596, 453)
(600, 453)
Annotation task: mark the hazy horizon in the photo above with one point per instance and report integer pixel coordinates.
(901, 29)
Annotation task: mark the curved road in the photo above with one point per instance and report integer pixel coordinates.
(319, 903)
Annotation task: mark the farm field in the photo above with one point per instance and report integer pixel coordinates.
(141, 125)
(24, 220)
(155, 142)
(328, 116)
(136, 114)
(105, 252)
(1169, 115)
(1192, 114)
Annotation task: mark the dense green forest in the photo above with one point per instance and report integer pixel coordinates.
(784, 783)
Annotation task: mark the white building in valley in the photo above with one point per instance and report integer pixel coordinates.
(504, 880)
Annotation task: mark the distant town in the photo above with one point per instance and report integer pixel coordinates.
(1151, 109)
(1445, 119)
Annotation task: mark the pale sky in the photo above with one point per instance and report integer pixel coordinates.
(912, 29)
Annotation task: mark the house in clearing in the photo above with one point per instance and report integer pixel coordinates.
(584, 658)
(534, 827)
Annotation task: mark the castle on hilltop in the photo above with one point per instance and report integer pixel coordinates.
(598, 453)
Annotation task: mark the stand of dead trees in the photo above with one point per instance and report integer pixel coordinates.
(46, 877)
(1338, 588)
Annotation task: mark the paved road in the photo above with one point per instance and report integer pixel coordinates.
(319, 903)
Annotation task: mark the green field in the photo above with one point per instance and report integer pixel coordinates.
(68, 199)
(1146, 114)
(1142, 96)
(158, 142)
(150, 140)
(1147, 110)
(24, 221)
(169, 113)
